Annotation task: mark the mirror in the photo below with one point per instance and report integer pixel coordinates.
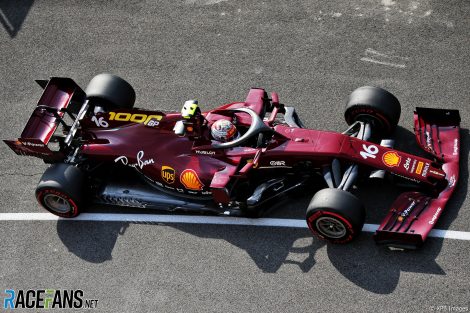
(179, 128)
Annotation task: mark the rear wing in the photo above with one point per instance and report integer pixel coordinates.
(61, 96)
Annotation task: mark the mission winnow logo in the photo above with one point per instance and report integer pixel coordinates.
(47, 299)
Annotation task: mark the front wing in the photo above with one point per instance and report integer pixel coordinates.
(414, 214)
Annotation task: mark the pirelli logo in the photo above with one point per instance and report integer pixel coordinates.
(419, 168)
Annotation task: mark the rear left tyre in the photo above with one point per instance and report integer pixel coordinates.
(61, 190)
(335, 215)
(110, 92)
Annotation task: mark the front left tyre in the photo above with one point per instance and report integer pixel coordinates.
(61, 190)
(375, 106)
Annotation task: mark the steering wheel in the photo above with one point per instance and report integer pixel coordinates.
(257, 127)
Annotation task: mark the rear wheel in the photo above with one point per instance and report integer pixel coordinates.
(376, 106)
(110, 92)
(335, 215)
(61, 190)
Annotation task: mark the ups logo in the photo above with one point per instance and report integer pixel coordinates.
(168, 174)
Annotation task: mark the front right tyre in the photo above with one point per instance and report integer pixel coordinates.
(335, 215)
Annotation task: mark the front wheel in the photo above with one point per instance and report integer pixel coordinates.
(335, 215)
(61, 190)
(376, 106)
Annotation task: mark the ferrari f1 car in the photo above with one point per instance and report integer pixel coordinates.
(107, 152)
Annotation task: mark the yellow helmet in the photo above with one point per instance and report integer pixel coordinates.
(189, 108)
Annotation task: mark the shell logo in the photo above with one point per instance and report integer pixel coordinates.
(190, 180)
(391, 159)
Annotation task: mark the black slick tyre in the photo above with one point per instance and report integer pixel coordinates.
(376, 106)
(61, 190)
(335, 215)
(111, 92)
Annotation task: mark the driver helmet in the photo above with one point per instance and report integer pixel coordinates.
(224, 131)
(190, 109)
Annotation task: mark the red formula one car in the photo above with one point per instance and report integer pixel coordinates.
(108, 152)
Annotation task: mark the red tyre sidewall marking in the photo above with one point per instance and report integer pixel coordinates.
(42, 193)
(369, 111)
(345, 222)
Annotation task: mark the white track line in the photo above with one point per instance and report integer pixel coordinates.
(383, 63)
(191, 219)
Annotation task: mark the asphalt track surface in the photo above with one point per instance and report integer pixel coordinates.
(313, 53)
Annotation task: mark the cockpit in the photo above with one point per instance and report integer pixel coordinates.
(236, 124)
(201, 129)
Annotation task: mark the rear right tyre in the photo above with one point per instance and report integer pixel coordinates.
(61, 190)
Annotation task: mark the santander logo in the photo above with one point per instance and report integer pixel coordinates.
(435, 216)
